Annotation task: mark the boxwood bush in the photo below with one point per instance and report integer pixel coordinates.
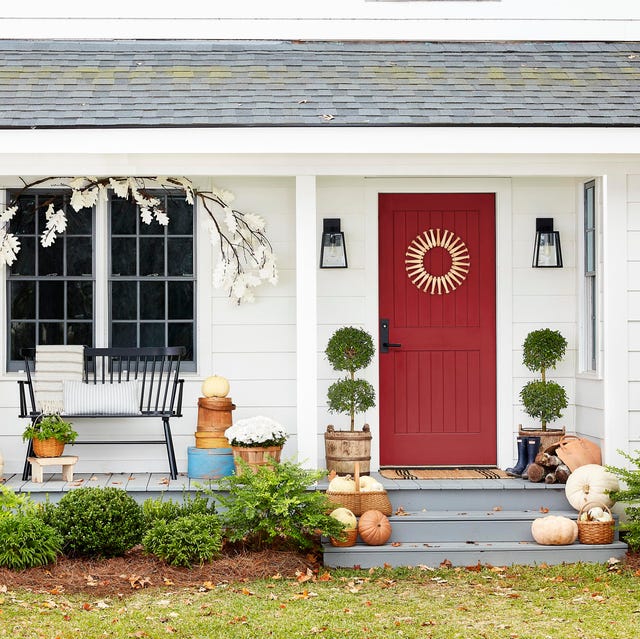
(26, 541)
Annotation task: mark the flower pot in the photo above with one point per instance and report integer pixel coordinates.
(256, 456)
(343, 448)
(47, 447)
(547, 437)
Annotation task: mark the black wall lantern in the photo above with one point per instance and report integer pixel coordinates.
(333, 252)
(547, 252)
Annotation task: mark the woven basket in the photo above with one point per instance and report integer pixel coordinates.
(595, 532)
(360, 502)
(350, 537)
(47, 447)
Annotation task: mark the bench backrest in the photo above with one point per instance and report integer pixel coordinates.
(157, 370)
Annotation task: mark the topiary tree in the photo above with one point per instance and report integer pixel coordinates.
(542, 399)
(350, 349)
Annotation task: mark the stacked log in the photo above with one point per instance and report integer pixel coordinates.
(549, 468)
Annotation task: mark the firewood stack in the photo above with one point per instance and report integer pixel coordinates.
(549, 468)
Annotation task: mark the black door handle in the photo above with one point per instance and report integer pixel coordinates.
(385, 344)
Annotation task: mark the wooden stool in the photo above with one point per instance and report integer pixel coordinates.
(38, 463)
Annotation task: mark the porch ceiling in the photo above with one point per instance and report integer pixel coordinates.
(205, 83)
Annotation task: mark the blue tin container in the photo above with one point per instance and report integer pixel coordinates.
(209, 463)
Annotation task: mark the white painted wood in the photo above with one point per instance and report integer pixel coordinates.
(306, 319)
(615, 343)
(544, 309)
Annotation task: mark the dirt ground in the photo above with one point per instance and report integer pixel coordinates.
(136, 570)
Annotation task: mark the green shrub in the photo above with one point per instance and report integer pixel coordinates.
(191, 539)
(630, 495)
(169, 510)
(27, 542)
(98, 522)
(274, 506)
(11, 503)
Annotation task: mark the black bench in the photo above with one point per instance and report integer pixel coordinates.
(156, 369)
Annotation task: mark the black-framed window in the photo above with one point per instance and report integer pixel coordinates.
(50, 290)
(590, 268)
(152, 283)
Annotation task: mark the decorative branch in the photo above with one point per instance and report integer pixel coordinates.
(246, 257)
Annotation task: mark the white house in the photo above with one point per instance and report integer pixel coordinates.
(468, 118)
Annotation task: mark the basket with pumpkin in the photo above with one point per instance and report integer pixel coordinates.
(359, 494)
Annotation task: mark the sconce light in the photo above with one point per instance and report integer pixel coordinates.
(547, 252)
(333, 252)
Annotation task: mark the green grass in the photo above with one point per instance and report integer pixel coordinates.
(574, 601)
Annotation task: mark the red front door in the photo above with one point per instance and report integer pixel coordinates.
(437, 313)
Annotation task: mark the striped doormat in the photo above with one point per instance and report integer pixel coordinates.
(443, 473)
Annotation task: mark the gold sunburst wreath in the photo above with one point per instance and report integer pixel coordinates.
(437, 284)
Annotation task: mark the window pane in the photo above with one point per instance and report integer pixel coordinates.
(590, 256)
(79, 258)
(181, 334)
(152, 334)
(180, 216)
(51, 333)
(79, 222)
(24, 221)
(80, 333)
(124, 300)
(80, 300)
(23, 300)
(180, 300)
(123, 256)
(589, 207)
(154, 228)
(23, 335)
(50, 258)
(123, 334)
(152, 300)
(152, 256)
(25, 263)
(180, 256)
(123, 217)
(51, 300)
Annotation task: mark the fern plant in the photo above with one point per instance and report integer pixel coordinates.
(275, 506)
(27, 542)
(629, 495)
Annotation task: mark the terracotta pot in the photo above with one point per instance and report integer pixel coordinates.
(343, 448)
(256, 456)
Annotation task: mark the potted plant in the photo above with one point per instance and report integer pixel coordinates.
(49, 434)
(256, 440)
(543, 399)
(350, 349)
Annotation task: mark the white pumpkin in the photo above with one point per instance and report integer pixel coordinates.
(342, 485)
(369, 484)
(346, 517)
(553, 530)
(215, 386)
(590, 483)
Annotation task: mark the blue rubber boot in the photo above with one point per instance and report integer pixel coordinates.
(533, 446)
(521, 464)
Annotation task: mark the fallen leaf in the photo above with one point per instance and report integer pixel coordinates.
(87, 606)
(301, 577)
(401, 512)
(446, 564)
(497, 509)
(164, 481)
(327, 117)
(544, 509)
(137, 582)
(209, 585)
(395, 544)
(167, 582)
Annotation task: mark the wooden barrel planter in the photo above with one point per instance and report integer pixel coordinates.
(256, 456)
(343, 448)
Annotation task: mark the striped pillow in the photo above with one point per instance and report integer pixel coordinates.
(101, 399)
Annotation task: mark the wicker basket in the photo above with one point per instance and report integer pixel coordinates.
(350, 537)
(47, 447)
(595, 532)
(360, 502)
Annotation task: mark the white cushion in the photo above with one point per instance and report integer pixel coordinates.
(103, 399)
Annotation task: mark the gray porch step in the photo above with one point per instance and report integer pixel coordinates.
(497, 553)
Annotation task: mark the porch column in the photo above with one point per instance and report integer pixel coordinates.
(306, 321)
(615, 324)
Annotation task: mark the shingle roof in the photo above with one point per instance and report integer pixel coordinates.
(196, 83)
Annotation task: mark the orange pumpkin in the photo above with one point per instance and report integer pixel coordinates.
(374, 528)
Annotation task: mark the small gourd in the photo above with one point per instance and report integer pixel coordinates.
(553, 530)
(342, 485)
(591, 482)
(215, 386)
(374, 528)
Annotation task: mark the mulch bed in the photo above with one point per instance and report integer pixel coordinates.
(137, 570)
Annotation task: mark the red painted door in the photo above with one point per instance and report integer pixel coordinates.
(437, 303)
